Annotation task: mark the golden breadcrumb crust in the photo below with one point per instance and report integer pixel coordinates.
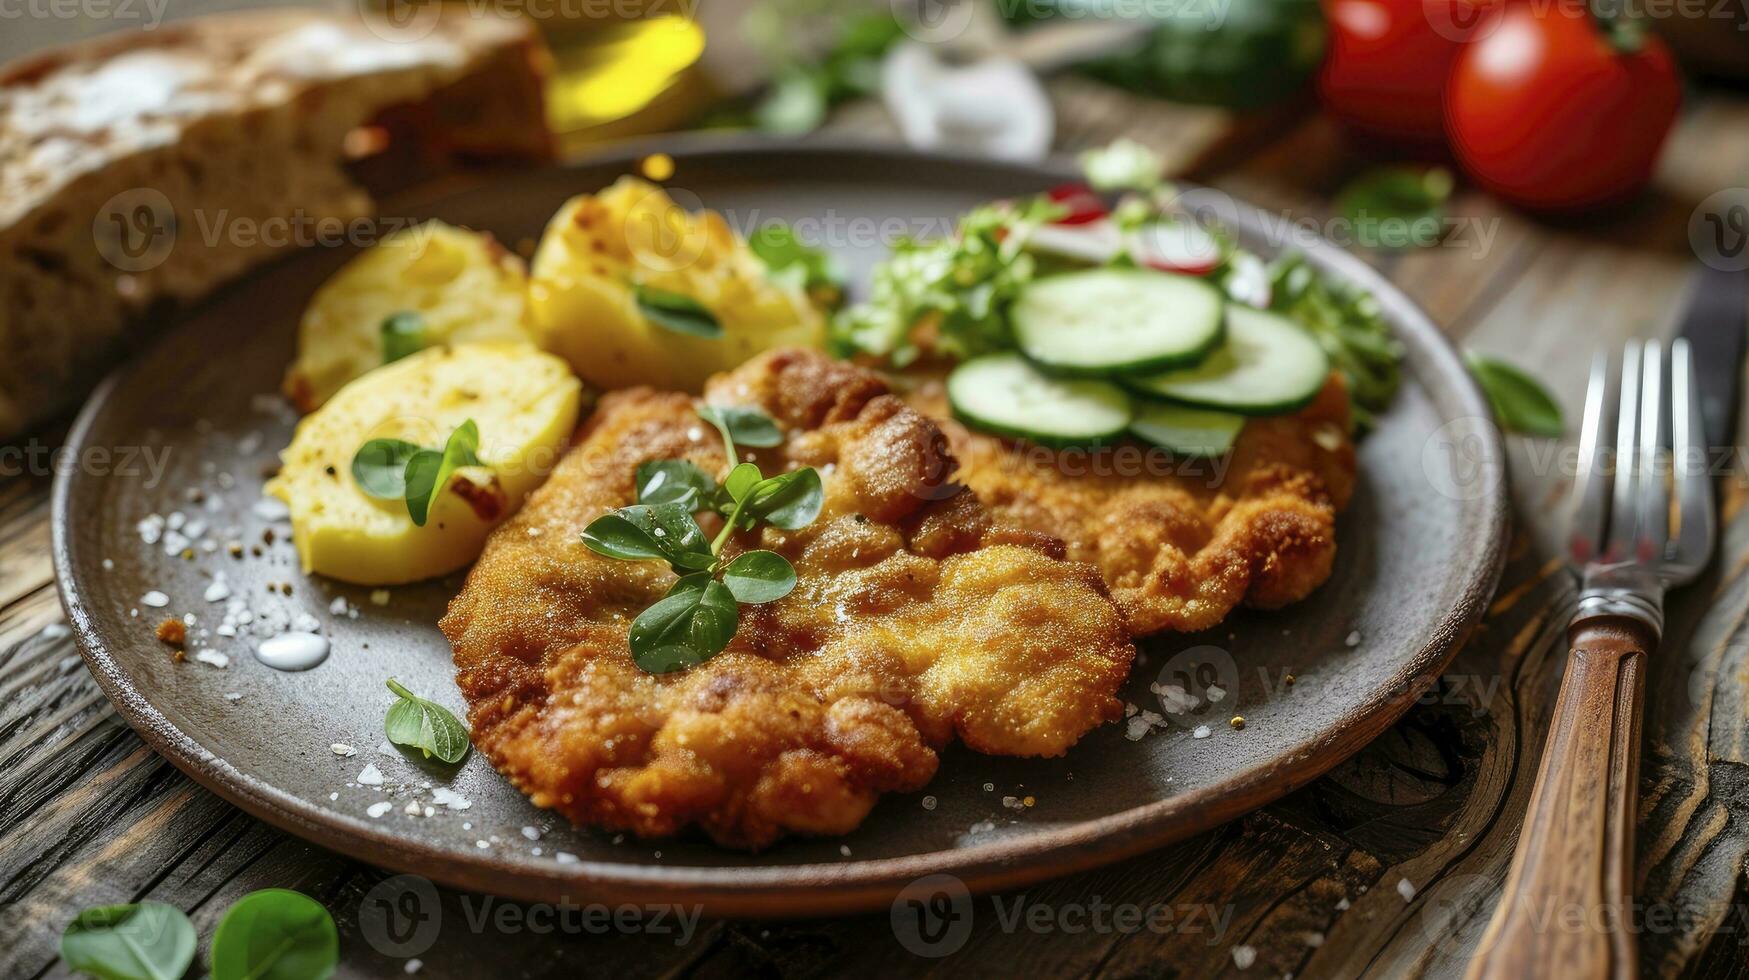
(915, 620)
(1180, 542)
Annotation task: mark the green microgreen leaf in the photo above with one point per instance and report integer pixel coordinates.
(380, 467)
(429, 471)
(794, 263)
(147, 941)
(402, 334)
(744, 426)
(789, 500)
(677, 312)
(275, 934)
(692, 623)
(1520, 402)
(740, 480)
(1397, 207)
(665, 532)
(425, 725)
(759, 576)
(673, 481)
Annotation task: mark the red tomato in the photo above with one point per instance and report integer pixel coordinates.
(1386, 65)
(1081, 203)
(1547, 112)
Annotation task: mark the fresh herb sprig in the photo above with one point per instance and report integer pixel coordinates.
(147, 941)
(425, 725)
(676, 312)
(698, 616)
(1348, 324)
(395, 469)
(796, 264)
(1520, 402)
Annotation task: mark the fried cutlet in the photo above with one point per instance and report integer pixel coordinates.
(916, 619)
(1180, 542)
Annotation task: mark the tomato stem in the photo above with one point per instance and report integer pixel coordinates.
(1624, 33)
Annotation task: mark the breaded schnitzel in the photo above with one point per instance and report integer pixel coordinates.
(1180, 543)
(916, 619)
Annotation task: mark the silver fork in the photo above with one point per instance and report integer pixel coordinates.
(1566, 910)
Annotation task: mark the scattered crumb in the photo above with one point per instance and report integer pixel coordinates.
(1313, 939)
(1342, 905)
(376, 810)
(1353, 639)
(233, 696)
(341, 748)
(844, 849)
(1202, 731)
(379, 597)
(174, 632)
(1238, 722)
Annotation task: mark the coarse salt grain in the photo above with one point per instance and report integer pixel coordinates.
(213, 658)
(371, 775)
(376, 810)
(155, 599)
(1405, 889)
(341, 748)
(1202, 731)
(1244, 956)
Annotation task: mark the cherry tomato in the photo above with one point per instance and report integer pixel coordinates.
(1552, 111)
(1386, 65)
(1082, 204)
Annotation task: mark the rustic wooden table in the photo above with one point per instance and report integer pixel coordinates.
(1388, 866)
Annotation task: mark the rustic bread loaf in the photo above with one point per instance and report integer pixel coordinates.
(138, 171)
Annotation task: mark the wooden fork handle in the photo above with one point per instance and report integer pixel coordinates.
(1566, 911)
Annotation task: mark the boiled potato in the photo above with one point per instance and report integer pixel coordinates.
(597, 247)
(462, 285)
(525, 404)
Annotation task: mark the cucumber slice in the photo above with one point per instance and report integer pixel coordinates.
(1186, 431)
(1105, 321)
(1002, 393)
(1269, 366)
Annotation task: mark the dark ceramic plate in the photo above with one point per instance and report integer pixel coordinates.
(1420, 551)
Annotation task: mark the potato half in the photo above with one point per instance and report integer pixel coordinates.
(597, 246)
(525, 403)
(463, 285)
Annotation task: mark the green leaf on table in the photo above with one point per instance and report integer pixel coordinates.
(745, 426)
(640, 532)
(275, 934)
(795, 103)
(677, 312)
(147, 941)
(789, 500)
(380, 467)
(1520, 402)
(426, 725)
(1397, 207)
(759, 576)
(429, 471)
(402, 334)
(691, 624)
(673, 481)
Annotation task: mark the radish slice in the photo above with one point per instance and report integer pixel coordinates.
(1083, 205)
(1248, 281)
(1095, 243)
(1175, 246)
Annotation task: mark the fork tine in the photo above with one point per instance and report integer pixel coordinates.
(1693, 483)
(1652, 532)
(1590, 504)
(1622, 510)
